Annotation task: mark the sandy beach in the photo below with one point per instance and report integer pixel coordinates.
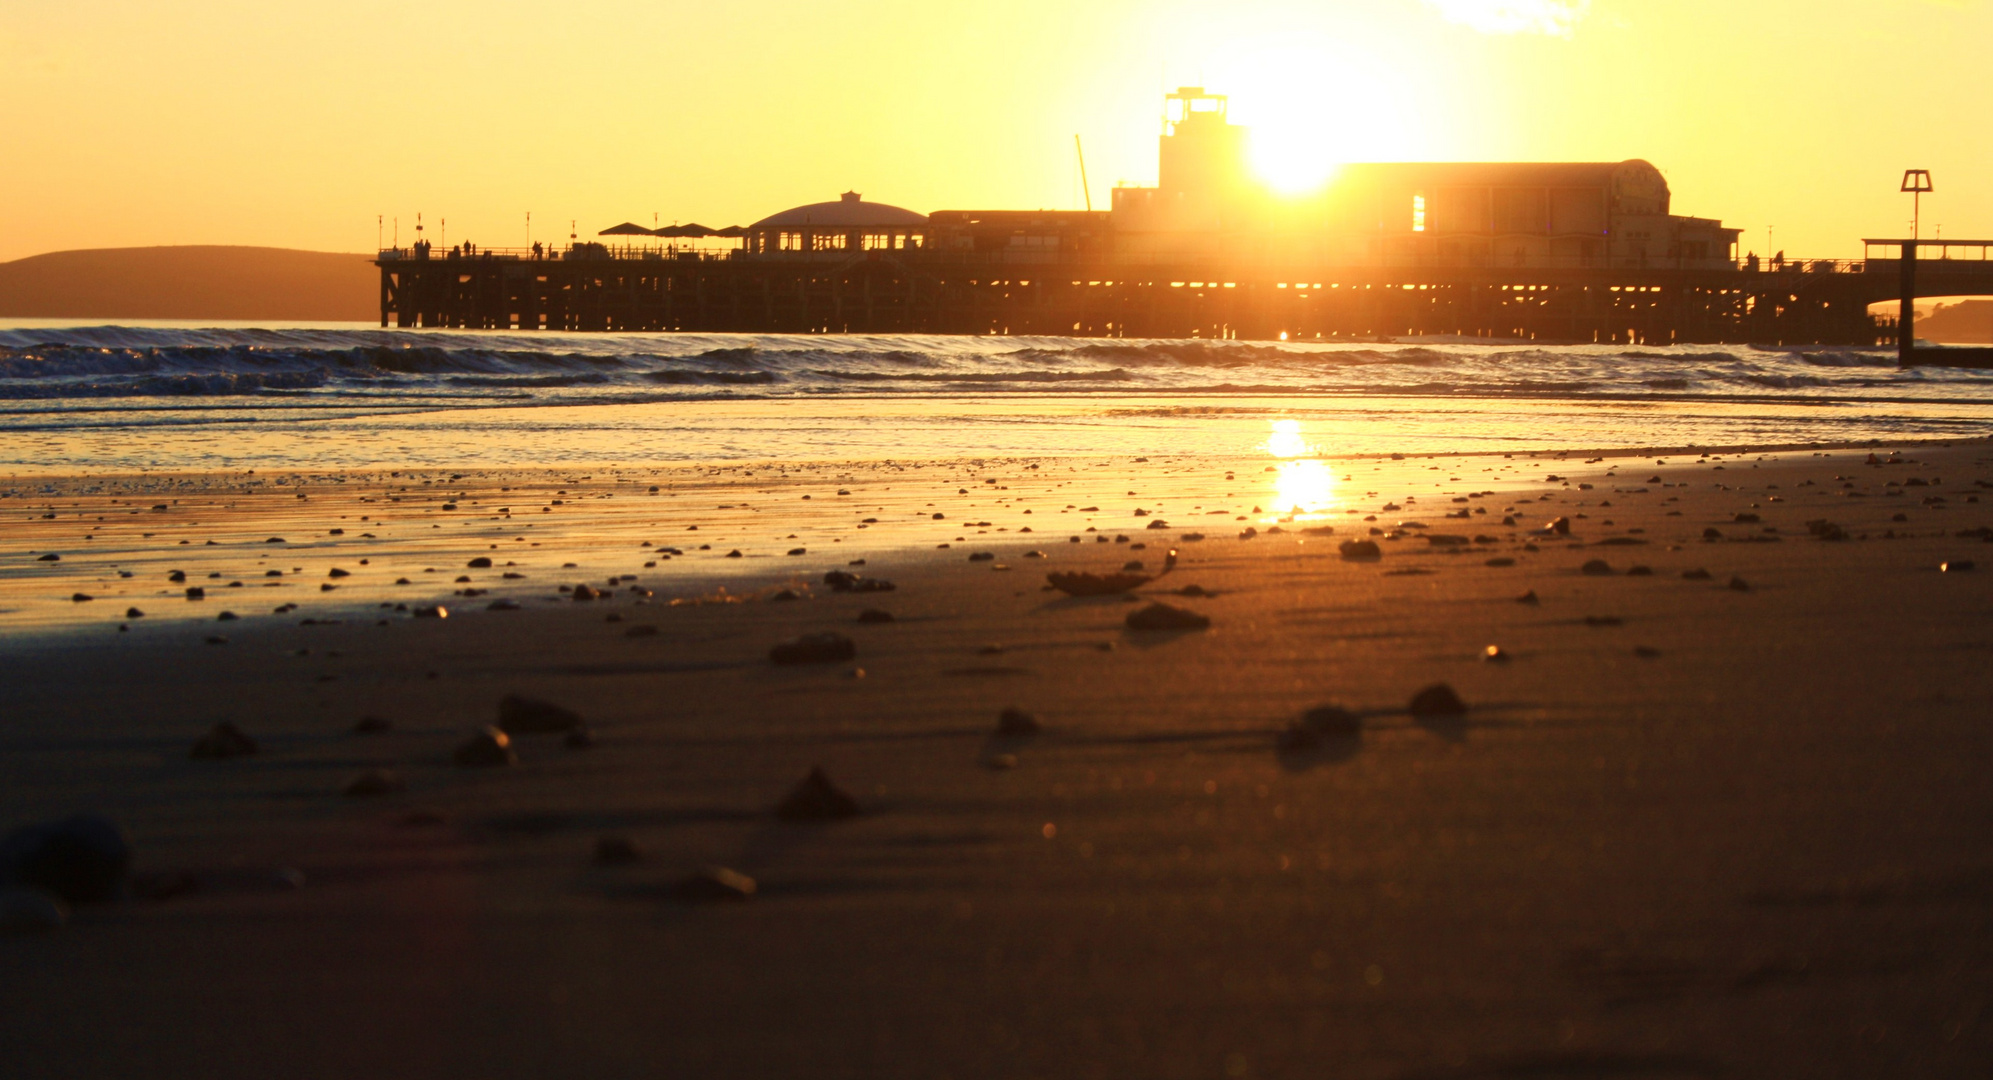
(1716, 808)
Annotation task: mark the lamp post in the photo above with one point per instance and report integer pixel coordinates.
(1917, 182)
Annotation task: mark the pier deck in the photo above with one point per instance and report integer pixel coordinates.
(1805, 302)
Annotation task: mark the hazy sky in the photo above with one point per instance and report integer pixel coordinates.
(133, 122)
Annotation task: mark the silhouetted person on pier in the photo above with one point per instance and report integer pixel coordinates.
(1778, 261)
(1751, 262)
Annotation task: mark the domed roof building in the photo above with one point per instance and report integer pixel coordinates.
(848, 225)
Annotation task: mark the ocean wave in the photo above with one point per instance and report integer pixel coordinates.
(442, 368)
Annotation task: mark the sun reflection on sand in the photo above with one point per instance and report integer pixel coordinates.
(1302, 486)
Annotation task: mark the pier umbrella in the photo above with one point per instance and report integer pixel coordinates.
(696, 230)
(732, 232)
(625, 229)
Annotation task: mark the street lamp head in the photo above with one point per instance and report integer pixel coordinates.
(1916, 180)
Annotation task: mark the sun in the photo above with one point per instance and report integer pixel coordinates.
(1313, 106)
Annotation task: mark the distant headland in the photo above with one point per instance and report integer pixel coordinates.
(191, 282)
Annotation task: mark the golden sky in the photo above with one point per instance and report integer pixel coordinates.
(293, 124)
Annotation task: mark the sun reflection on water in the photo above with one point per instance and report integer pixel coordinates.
(1302, 486)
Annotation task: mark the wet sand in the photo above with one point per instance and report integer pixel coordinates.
(1684, 829)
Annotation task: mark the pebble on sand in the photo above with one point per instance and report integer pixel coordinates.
(134, 613)
(1160, 616)
(875, 615)
(1528, 598)
(373, 782)
(828, 647)
(83, 859)
(437, 611)
(1361, 550)
(615, 851)
(1561, 526)
(1495, 654)
(1698, 574)
(1596, 567)
(519, 715)
(490, 747)
(1332, 721)
(1740, 585)
(1439, 699)
(816, 799)
(482, 562)
(1015, 721)
(1955, 566)
(714, 885)
(30, 911)
(224, 741)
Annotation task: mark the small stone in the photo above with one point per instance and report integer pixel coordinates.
(227, 616)
(372, 783)
(1500, 561)
(30, 911)
(1494, 655)
(816, 799)
(875, 615)
(828, 647)
(1646, 652)
(1697, 574)
(373, 725)
(215, 639)
(1439, 699)
(785, 596)
(1015, 721)
(502, 605)
(50, 557)
(519, 715)
(1640, 571)
(641, 630)
(1159, 616)
(437, 611)
(715, 885)
(1955, 566)
(1332, 721)
(81, 598)
(482, 562)
(1596, 567)
(83, 859)
(1712, 534)
(615, 851)
(195, 592)
(490, 747)
(585, 592)
(1740, 585)
(338, 573)
(1561, 526)
(799, 551)
(983, 556)
(1000, 762)
(1296, 738)
(224, 741)
(1360, 550)
(134, 613)
(1604, 620)
(1528, 598)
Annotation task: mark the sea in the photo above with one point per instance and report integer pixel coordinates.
(166, 396)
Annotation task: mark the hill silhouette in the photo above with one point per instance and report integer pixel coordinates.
(191, 282)
(1965, 322)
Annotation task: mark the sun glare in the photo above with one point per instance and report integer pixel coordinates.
(1302, 486)
(1312, 107)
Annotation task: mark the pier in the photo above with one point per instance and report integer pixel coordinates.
(589, 288)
